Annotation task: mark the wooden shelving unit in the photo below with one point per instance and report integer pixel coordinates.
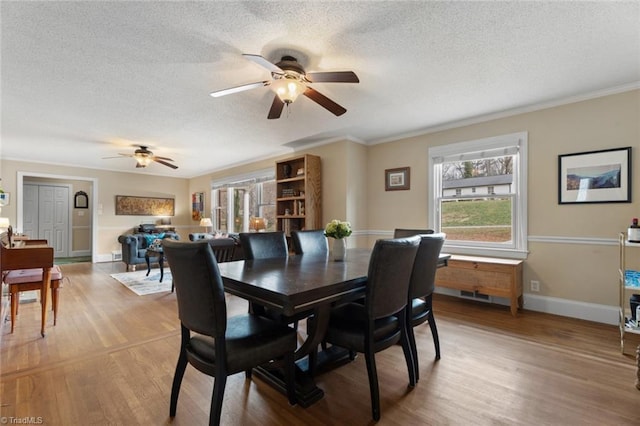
(299, 197)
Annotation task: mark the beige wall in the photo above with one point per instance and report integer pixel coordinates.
(572, 249)
(108, 226)
(568, 256)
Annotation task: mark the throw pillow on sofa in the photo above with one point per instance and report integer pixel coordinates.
(151, 238)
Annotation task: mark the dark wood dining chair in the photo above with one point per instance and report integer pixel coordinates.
(421, 287)
(220, 346)
(405, 232)
(311, 241)
(380, 322)
(263, 245)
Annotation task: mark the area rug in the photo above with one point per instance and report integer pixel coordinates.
(141, 285)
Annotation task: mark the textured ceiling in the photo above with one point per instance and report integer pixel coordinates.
(85, 80)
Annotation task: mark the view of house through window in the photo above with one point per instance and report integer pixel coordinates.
(479, 192)
(476, 200)
(237, 200)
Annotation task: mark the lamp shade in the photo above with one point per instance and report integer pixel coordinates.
(4, 222)
(258, 224)
(205, 221)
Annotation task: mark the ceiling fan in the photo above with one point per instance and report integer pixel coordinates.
(289, 80)
(144, 157)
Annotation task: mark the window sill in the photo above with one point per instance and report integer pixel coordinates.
(485, 251)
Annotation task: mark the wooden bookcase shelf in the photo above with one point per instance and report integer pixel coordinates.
(299, 194)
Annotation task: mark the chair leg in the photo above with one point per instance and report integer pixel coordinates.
(410, 355)
(373, 383)
(14, 309)
(181, 366)
(216, 399)
(54, 301)
(434, 333)
(290, 377)
(248, 373)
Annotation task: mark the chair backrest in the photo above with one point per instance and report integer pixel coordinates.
(223, 249)
(389, 274)
(402, 232)
(263, 245)
(309, 242)
(199, 289)
(423, 276)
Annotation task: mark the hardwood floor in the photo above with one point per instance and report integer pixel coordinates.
(110, 360)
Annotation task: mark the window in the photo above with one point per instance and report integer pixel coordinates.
(478, 195)
(243, 197)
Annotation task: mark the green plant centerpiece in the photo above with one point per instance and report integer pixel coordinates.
(339, 231)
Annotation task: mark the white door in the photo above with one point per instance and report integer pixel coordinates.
(47, 216)
(30, 203)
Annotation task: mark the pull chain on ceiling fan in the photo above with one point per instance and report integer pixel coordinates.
(289, 80)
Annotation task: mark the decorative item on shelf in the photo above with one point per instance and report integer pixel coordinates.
(258, 224)
(339, 231)
(300, 171)
(633, 232)
(206, 222)
(286, 170)
(288, 192)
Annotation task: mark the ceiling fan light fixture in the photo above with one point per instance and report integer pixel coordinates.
(288, 89)
(143, 160)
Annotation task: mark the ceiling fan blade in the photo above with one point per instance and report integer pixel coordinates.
(241, 88)
(323, 101)
(157, 160)
(276, 108)
(161, 158)
(332, 77)
(264, 63)
(120, 156)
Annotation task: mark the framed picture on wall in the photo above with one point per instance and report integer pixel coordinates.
(595, 177)
(197, 205)
(397, 179)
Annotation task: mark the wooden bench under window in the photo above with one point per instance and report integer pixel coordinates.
(485, 275)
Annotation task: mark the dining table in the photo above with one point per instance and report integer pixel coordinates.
(306, 285)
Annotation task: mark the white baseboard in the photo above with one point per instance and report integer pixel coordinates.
(103, 258)
(552, 305)
(570, 308)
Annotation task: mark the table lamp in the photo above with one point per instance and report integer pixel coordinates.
(258, 224)
(206, 222)
(4, 224)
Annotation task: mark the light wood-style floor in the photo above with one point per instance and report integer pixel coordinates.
(110, 361)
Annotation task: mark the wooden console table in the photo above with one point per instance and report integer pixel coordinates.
(486, 275)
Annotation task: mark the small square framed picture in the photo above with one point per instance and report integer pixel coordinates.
(397, 179)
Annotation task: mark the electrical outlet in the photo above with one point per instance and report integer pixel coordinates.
(535, 285)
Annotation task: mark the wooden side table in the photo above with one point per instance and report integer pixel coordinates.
(153, 252)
